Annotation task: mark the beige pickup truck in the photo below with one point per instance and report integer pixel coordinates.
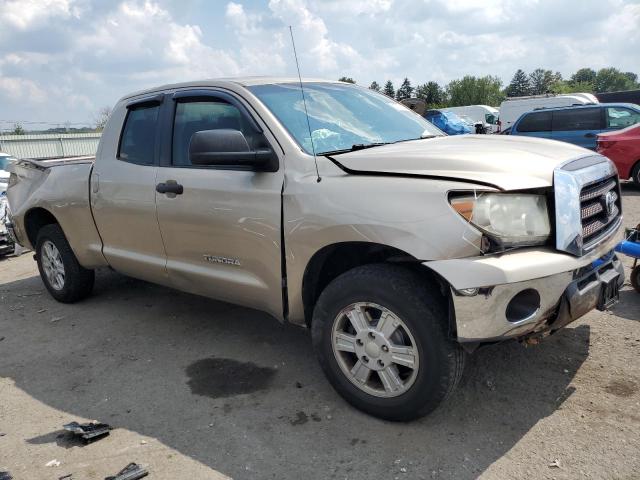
(401, 248)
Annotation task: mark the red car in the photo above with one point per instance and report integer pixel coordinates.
(623, 148)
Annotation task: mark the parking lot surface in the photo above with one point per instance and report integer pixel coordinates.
(196, 388)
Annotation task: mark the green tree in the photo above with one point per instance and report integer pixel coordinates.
(470, 90)
(542, 81)
(346, 79)
(388, 90)
(374, 86)
(18, 129)
(432, 94)
(631, 76)
(612, 80)
(584, 75)
(519, 85)
(405, 90)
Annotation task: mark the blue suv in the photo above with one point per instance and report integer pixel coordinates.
(577, 124)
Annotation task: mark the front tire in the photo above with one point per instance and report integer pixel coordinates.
(66, 280)
(380, 334)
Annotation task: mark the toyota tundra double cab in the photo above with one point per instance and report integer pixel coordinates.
(400, 248)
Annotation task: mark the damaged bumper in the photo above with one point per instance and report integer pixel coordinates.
(492, 301)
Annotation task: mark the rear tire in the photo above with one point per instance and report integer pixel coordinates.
(635, 175)
(412, 365)
(635, 278)
(66, 280)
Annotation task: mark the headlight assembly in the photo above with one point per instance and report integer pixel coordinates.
(511, 219)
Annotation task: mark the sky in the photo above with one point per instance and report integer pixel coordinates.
(61, 61)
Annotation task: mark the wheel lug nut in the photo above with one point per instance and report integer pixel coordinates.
(385, 348)
(365, 359)
(372, 335)
(359, 342)
(381, 363)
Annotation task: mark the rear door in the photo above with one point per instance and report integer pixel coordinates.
(578, 126)
(123, 192)
(533, 124)
(222, 233)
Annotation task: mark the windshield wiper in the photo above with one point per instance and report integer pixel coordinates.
(355, 147)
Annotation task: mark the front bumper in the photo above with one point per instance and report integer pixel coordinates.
(542, 306)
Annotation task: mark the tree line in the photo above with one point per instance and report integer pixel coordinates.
(488, 90)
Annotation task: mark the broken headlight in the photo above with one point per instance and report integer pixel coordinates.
(509, 219)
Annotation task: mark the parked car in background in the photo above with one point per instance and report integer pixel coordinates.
(484, 114)
(449, 122)
(578, 125)
(5, 159)
(512, 108)
(623, 148)
(7, 245)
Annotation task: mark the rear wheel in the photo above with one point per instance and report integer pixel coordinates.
(635, 174)
(66, 280)
(379, 332)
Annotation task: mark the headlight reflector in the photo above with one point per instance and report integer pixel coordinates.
(511, 218)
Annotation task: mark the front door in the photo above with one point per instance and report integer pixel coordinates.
(123, 194)
(221, 226)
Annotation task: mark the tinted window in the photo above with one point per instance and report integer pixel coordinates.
(577, 119)
(195, 116)
(535, 122)
(619, 117)
(137, 143)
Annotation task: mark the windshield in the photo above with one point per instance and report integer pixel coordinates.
(341, 116)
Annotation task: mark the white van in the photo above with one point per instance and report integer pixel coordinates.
(484, 114)
(512, 108)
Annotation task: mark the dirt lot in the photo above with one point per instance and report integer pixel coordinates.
(201, 389)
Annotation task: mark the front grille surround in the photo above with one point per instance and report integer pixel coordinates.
(588, 204)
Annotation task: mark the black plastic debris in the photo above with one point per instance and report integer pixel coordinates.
(133, 471)
(5, 476)
(69, 476)
(88, 431)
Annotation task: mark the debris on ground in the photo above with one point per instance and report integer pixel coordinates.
(52, 463)
(133, 471)
(5, 476)
(56, 319)
(555, 464)
(88, 431)
(68, 476)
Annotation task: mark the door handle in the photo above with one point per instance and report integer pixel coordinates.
(170, 188)
(590, 135)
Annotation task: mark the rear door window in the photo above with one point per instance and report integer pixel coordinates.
(138, 139)
(577, 119)
(535, 122)
(620, 117)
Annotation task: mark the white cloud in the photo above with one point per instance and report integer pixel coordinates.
(23, 14)
(69, 57)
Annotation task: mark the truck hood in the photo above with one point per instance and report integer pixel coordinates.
(505, 162)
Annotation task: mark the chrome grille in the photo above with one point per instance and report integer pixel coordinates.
(599, 209)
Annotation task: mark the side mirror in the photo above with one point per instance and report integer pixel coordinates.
(226, 147)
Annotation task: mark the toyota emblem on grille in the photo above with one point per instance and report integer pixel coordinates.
(610, 202)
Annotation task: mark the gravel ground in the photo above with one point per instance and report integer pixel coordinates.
(201, 389)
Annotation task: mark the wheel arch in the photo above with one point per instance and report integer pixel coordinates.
(335, 259)
(34, 220)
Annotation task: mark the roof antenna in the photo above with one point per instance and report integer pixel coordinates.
(304, 102)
